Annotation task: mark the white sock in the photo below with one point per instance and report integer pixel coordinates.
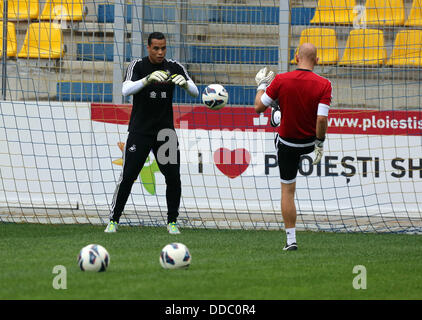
(291, 235)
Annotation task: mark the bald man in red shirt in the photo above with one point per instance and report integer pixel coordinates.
(304, 100)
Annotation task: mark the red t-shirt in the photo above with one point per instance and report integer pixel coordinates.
(299, 94)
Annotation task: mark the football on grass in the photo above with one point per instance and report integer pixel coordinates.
(93, 257)
(175, 256)
(215, 96)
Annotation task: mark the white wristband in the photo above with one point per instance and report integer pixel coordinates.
(262, 86)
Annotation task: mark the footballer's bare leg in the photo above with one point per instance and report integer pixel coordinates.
(288, 211)
(288, 206)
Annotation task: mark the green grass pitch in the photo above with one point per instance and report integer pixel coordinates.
(226, 264)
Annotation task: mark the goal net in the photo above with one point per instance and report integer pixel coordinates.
(63, 120)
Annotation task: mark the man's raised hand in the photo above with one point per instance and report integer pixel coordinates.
(156, 76)
(179, 80)
(263, 78)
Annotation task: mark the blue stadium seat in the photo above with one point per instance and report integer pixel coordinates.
(106, 13)
(301, 16)
(151, 14)
(292, 53)
(160, 14)
(99, 51)
(239, 55)
(244, 14)
(212, 13)
(85, 91)
(105, 52)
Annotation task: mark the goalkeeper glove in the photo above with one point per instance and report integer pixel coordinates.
(179, 80)
(263, 79)
(319, 150)
(156, 76)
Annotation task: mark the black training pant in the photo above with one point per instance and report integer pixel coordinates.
(136, 151)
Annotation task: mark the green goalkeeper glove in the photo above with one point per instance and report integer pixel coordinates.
(156, 76)
(179, 80)
(263, 79)
(319, 150)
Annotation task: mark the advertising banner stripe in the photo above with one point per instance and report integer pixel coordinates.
(340, 121)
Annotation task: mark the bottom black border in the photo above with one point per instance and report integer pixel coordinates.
(214, 309)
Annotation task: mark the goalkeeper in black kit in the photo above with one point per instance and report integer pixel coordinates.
(152, 80)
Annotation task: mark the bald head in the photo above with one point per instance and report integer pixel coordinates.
(307, 56)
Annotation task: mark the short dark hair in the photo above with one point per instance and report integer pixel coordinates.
(155, 35)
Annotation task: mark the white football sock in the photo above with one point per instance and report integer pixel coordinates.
(291, 235)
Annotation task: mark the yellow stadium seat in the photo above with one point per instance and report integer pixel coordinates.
(384, 13)
(364, 47)
(334, 12)
(325, 41)
(20, 9)
(407, 49)
(11, 39)
(43, 40)
(69, 10)
(415, 16)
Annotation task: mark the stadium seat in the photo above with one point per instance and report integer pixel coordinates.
(407, 49)
(301, 16)
(69, 10)
(244, 14)
(20, 9)
(99, 51)
(11, 40)
(233, 54)
(415, 16)
(43, 40)
(325, 41)
(384, 13)
(105, 14)
(85, 91)
(364, 47)
(334, 12)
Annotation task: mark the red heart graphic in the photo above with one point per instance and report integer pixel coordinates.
(232, 163)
